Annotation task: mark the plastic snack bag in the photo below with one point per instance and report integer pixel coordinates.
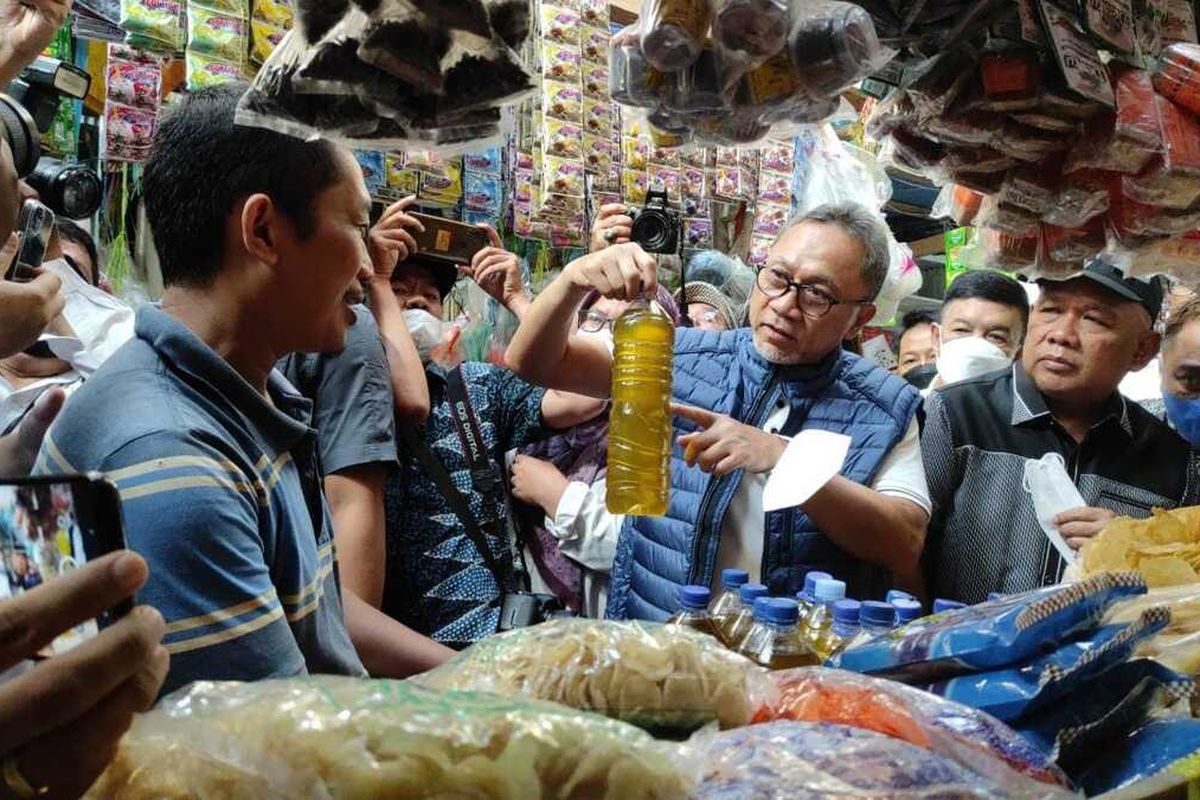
(989, 635)
(1083, 196)
(751, 31)
(657, 676)
(673, 31)
(1053, 492)
(1147, 752)
(950, 729)
(815, 761)
(1177, 76)
(158, 22)
(833, 45)
(134, 83)
(204, 71)
(323, 738)
(217, 35)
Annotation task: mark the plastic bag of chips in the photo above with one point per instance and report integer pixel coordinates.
(1165, 548)
(328, 737)
(1149, 751)
(660, 677)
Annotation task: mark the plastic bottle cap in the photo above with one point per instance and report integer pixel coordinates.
(781, 611)
(941, 604)
(896, 594)
(846, 611)
(810, 581)
(694, 598)
(873, 612)
(829, 591)
(906, 610)
(733, 578)
(750, 592)
(760, 607)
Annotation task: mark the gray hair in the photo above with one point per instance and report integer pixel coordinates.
(861, 225)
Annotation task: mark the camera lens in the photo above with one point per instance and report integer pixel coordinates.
(70, 190)
(652, 230)
(18, 128)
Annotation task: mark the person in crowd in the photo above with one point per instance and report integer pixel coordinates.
(1181, 370)
(707, 308)
(438, 582)
(262, 238)
(916, 346)
(1084, 335)
(983, 321)
(747, 390)
(78, 249)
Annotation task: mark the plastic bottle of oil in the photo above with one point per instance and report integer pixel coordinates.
(775, 641)
(906, 611)
(897, 594)
(693, 610)
(743, 621)
(876, 619)
(729, 602)
(807, 596)
(842, 632)
(828, 591)
(639, 427)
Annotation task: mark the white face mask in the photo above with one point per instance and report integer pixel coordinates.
(102, 323)
(969, 357)
(427, 331)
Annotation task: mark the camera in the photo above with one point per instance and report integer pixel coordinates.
(656, 226)
(27, 111)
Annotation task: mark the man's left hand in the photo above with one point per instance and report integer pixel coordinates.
(538, 482)
(1079, 525)
(725, 445)
(26, 29)
(390, 240)
(497, 271)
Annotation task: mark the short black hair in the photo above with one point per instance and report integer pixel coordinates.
(910, 320)
(986, 284)
(72, 232)
(202, 164)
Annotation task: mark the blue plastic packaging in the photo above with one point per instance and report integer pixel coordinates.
(1146, 752)
(906, 611)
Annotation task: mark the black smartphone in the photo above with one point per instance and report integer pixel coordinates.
(50, 526)
(35, 225)
(455, 242)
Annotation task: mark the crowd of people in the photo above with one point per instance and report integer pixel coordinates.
(306, 489)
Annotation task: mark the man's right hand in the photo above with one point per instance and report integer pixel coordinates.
(60, 721)
(26, 29)
(26, 309)
(613, 225)
(621, 272)
(390, 240)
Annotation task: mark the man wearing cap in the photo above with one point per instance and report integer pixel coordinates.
(1085, 333)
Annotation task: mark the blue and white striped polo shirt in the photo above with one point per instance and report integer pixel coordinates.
(221, 494)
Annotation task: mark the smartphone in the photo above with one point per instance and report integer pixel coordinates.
(455, 242)
(50, 526)
(35, 224)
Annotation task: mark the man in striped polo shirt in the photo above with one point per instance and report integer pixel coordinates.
(261, 238)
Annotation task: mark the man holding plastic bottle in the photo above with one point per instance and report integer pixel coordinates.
(739, 396)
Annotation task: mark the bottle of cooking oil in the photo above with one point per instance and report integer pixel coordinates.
(876, 618)
(729, 602)
(639, 426)
(807, 596)
(737, 628)
(775, 642)
(845, 627)
(906, 611)
(828, 591)
(693, 610)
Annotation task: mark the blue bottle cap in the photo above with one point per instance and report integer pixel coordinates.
(749, 592)
(941, 604)
(879, 614)
(693, 598)
(760, 608)
(906, 611)
(846, 611)
(732, 578)
(896, 594)
(810, 581)
(829, 590)
(781, 611)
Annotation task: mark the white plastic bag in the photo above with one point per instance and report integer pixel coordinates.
(1053, 492)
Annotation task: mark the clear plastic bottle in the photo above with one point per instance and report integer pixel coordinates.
(897, 594)
(907, 611)
(693, 610)
(639, 432)
(774, 641)
(845, 627)
(806, 596)
(828, 591)
(741, 624)
(875, 618)
(941, 605)
(728, 602)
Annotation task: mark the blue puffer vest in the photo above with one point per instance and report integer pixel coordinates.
(724, 372)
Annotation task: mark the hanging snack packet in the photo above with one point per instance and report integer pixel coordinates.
(697, 233)
(217, 35)
(1177, 76)
(482, 192)
(563, 139)
(596, 78)
(264, 38)
(276, 12)
(751, 31)
(157, 22)
(1158, 185)
(134, 83)
(400, 41)
(594, 44)
(560, 24)
(1029, 188)
(1137, 116)
(833, 45)
(561, 62)
(1083, 197)
(1013, 693)
(597, 154)
(205, 71)
(562, 101)
(562, 176)
(128, 132)
(673, 31)
(1180, 137)
(990, 635)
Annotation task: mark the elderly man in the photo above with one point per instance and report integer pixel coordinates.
(1084, 335)
(749, 389)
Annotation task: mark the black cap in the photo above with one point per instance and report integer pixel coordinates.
(445, 273)
(1148, 293)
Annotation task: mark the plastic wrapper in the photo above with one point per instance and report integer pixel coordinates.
(1073, 244)
(785, 759)
(1177, 76)
(276, 12)
(1101, 148)
(1083, 196)
(1159, 186)
(700, 88)
(1006, 252)
(1180, 138)
(893, 111)
(509, 20)
(657, 676)
(136, 83)
(673, 31)
(957, 203)
(969, 128)
(1132, 219)
(1137, 115)
(264, 38)
(959, 732)
(1081, 67)
(937, 83)
(215, 34)
(751, 31)
(1110, 22)
(990, 635)
(976, 159)
(771, 88)
(466, 15)
(1010, 77)
(633, 81)
(1028, 144)
(833, 45)
(915, 151)
(330, 737)
(1047, 122)
(983, 182)
(1009, 219)
(1029, 188)
(1148, 751)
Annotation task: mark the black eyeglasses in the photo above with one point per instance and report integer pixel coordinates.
(814, 301)
(593, 322)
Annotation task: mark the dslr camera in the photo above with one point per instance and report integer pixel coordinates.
(656, 226)
(26, 112)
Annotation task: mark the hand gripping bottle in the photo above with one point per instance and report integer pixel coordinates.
(693, 610)
(639, 427)
(728, 603)
(741, 624)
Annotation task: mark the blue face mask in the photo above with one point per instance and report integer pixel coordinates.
(1185, 416)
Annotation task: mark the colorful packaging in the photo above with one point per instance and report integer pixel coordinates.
(276, 12)
(373, 164)
(697, 233)
(597, 154)
(597, 117)
(264, 38)
(634, 184)
(562, 139)
(401, 181)
(159, 23)
(445, 190)
(128, 132)
(1177, 76)
(562, 101)
(483, 192)
(661, 178)
(217, 35)
(134, 83)
(594, 43)
(1149, 751)
(560, 24)
(1180, 138)
(204, 71)
(770, 218)
(596, 79)
(990, 635)
(775, 187)
(1137, 116)
(562, 176)
(760, 249)
(561, 62)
